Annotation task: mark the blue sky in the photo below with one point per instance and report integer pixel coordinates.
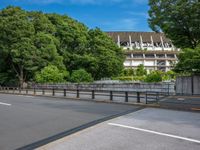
(109, 15)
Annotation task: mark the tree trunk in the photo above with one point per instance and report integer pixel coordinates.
(21, 78)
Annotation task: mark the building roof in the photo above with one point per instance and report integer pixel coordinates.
(135, 36)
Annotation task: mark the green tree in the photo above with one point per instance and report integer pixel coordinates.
(16, 41)
(81, 76)
(108, 55)
(30, 41)
(178, 19)
(189, 61)
(169, 75)
(51, 74)
(141, 71)
(154, 76)
(23, 46)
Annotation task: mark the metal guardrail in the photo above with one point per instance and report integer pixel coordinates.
(146, 97)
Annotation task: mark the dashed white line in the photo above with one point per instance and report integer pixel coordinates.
(6, 104)
(155, 132)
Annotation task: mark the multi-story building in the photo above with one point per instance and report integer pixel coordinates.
(153, 50)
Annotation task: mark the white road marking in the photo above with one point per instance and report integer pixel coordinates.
(30, 96)
(5, 104)
(155, 132)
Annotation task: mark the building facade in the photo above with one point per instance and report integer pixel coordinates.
(153, 50)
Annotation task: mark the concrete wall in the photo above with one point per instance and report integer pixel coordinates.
(138, 87)
(189, 85)
(196, 84)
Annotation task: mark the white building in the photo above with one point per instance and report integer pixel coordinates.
(153, 50)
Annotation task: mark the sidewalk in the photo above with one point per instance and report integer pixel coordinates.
(181, 102)
(149, 128)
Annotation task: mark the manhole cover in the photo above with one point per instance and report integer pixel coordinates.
(180, 99)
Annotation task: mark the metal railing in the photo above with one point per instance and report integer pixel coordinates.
(147, 97)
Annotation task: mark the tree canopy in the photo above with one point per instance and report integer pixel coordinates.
(81, 75)
(140, 71)
(178, 19)
(189, 61)
(51, 74)
(30, 41)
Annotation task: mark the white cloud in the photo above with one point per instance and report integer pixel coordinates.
(126, 24)
(95, 2)
(41, 1)
(83, 2)
(108, 1)
(140, 1)
(137, 14)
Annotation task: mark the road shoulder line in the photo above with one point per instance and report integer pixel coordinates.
(155, 132)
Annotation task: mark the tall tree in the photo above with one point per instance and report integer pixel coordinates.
(30, 41)
(178, 19)
(141, 71)
(23, 46)
(109, 56)
(189, 61)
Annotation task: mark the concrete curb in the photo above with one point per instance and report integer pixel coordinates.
(74, 130)
(113, 102)
(89, 100)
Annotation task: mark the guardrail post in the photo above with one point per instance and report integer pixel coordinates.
(64, 92)
(34, 91)
(126, 96)
(20, 90)
(77, 93)
(26, 91)
(146, 97)
(53, 92)
(111, 96)
(93, 94)
(157, 96)
(168, 89)
(138, 97)
(43, 92)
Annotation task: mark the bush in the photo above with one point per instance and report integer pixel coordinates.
(51, 74)
(154, 76)
(141, 71)
(130, 78)
(81, 76)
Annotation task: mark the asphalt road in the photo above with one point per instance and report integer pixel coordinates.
(99, 96)
(27, 119)
(146, 129)
(181, 102)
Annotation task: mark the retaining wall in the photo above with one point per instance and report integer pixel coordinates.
(138, 87)
(188, 85)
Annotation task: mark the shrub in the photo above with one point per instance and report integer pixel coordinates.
(154, 76)
(81, 76)
(130, 78)
(51, 74)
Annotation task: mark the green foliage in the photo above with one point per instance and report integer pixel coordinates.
(24, 46)
(130, 78)
(30, 41)
(81, 76)
(169, 75)
(189, 61)
(128, 72)
(140, 71)
(51, 74)
(154, 76)
(178, 19)
(109, 56)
